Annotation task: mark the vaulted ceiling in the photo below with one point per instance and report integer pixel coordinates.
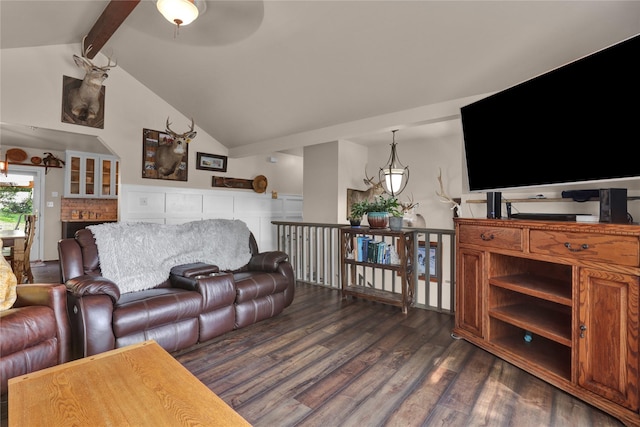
(253, 72)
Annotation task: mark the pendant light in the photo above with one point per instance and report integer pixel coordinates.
(394, 176)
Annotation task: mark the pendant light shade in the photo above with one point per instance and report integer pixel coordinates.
(179, 12)
(394, 175)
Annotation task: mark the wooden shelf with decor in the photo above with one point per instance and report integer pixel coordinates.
(34, 165)
(18, 157)
(352, 264)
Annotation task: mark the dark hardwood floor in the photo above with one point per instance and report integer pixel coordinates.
(331, 362)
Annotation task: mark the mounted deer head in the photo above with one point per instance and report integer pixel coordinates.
(169, 156)
(84, 101)
(356, 196)
(375, 188)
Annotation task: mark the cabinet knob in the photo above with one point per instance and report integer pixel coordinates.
(582, 247)
(486, 238)
(582, 329)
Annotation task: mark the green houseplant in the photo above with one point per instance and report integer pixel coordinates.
(380, 209)
(358, 210)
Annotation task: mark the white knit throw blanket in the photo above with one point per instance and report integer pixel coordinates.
(138, 256)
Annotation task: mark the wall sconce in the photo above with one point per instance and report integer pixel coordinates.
(394, 176)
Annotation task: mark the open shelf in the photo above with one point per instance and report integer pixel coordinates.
(374, 264)
(542, 352)
(545, 288)
(542, 320)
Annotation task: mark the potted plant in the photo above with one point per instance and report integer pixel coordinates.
(358, 210)
(396, 219)
(380, 209)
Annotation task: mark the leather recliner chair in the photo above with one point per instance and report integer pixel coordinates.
(34, 332)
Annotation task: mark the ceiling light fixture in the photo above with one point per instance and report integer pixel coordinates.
(394, 175)
(179, 12)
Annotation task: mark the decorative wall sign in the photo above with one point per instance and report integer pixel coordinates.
(83, 116)
(162, 157)
(258, 184)
(211, 162)
(221, 181)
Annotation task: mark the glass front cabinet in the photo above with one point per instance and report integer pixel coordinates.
(91, 175)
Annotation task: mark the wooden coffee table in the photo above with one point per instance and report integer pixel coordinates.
(138, 385)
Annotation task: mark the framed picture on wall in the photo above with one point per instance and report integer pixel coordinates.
(211, 162)
(159, 159)
(430, 259)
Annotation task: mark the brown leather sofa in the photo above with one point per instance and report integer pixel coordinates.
(34, 332)
(196, 303)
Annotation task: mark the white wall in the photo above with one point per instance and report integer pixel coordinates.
(321, 182)
(425, 159)
(329, 169)
(353, 160)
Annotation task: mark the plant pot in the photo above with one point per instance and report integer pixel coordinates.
(355, 222)
(378, 219)
(395, 223)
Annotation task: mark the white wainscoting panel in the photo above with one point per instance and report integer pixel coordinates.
(170, 205)
(179, 203)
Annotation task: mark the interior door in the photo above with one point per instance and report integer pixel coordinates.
(31, 181)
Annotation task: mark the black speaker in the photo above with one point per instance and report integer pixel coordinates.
(494, 205)
(613, 205)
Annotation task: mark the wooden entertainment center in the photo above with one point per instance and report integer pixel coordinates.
(557, 299)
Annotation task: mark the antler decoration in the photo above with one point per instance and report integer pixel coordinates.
(85, 52)
(444, 198)
(188, 135)
(406, 207)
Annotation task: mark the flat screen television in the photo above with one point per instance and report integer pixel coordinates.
(579, 123)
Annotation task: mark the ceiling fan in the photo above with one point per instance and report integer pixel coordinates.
(180, 12)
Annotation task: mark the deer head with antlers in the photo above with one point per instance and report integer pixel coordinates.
(169, 156)
(84, 101)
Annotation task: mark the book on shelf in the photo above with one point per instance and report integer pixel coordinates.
(378, 252)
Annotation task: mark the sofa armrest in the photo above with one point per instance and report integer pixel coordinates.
(194, 269)
(55, 297)
(267, 261)
(45, 294)
(185, 276)
(217, 289)
(93, 285)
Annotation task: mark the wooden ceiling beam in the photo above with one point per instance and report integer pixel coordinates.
(109, 21)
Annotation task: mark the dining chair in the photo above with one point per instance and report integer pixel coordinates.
(24, 264)
(29, 230)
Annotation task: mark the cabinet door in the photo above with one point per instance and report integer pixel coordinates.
(608, 335)
(81, 176)
(73, 176)
(109, 171)
(470, 291)
(90, 176)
